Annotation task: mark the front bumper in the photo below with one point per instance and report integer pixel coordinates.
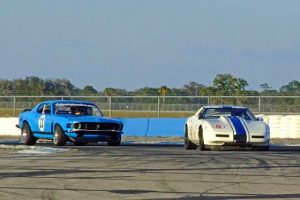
(237, 141)
(95, 136)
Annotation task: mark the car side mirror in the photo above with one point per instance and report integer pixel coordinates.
(259, 119)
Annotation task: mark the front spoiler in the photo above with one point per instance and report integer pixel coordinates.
(236, 146)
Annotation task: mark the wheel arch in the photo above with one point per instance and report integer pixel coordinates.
(54, 124)
(25, 122)
(200, 130)
(186, 130)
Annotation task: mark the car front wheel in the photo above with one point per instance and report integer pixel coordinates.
(201, 140)
(187, 143)
(116, 140)
(59, 137)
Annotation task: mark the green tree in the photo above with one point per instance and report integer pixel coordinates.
(88, 90)
(63, 87)
(110, 91)
(207, 91)
(267, 90)
(193, 88)
(34, 85)
(178, 92)
(292, 88)
(114, 92)
(227, 84)
(146, 91)
(164, 90)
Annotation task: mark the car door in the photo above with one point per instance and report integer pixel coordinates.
(44, 118)
(34, 119)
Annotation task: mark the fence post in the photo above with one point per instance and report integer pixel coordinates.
(158, 107)
(15, 106)
(109, 101)
(208, 101)
(259, 105)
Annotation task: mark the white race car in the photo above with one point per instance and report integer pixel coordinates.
(222, 126)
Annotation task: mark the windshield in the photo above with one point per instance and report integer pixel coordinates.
(77, 109)
(210, 113)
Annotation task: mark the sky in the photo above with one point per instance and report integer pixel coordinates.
(130, 44)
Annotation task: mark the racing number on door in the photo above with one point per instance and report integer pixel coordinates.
(42, 123)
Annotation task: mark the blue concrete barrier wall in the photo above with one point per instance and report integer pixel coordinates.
(164, 127)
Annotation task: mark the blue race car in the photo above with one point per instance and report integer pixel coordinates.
(67, 120)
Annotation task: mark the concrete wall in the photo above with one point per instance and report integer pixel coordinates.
(281, 126)
(8, 126)
(165, 127)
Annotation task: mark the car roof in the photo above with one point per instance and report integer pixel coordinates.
(224, 106)
(67, 102)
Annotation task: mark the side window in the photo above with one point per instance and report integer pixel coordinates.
(40, 109)
(44, 109)
(202, 114)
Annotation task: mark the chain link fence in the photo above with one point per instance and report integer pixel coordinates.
(159, 106)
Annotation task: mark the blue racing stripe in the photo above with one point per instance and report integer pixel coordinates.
(238, 126)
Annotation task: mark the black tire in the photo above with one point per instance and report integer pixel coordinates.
(77, 143)
(59, 137)
(201, 140)
(261, 148)
(189, 145)
(27, 136)
(116, 140)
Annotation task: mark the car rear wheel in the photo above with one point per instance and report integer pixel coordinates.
(59, 137)
(27, 136)
(116, 140)
(201, 140)
(187, 143)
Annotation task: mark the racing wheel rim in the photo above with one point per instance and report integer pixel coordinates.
(55, 139)
(24, 134)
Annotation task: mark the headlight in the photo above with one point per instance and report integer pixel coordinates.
(76, 126)
(219, 126)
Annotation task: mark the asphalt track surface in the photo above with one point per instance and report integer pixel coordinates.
(148, 171)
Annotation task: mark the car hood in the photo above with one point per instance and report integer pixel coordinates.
(91, 119)
(253, 127)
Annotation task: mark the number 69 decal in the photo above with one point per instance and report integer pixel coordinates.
(42, 123)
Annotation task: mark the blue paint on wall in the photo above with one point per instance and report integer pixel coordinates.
(135, 126)
(153, 127)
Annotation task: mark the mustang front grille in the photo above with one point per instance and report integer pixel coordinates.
(97, 126)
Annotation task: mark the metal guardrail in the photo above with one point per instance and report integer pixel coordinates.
(158, 106)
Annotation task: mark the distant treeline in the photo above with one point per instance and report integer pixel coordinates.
(223, 85)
